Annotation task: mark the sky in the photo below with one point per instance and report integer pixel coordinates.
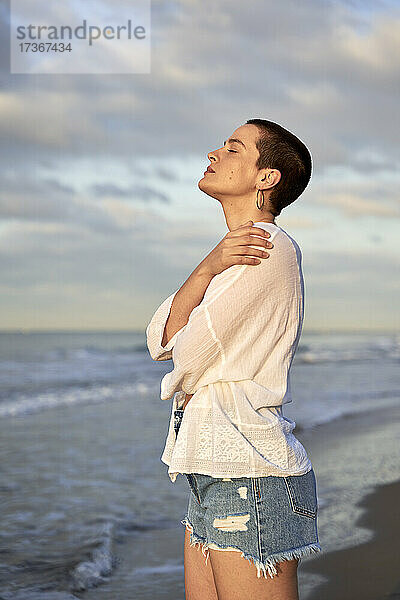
(100, 214)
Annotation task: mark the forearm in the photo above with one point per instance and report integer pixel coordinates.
(186, 299)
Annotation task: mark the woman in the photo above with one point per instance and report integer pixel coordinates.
(232, 330)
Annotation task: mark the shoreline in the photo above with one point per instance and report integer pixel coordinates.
(368, 570)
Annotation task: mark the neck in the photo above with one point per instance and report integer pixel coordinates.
(235, 221)
(238, 212)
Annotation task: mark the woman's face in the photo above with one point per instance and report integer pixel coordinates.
(234, 166)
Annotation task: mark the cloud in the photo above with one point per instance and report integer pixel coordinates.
(49, 201)
(299, 63)
(135, 192)
(370, 194)
(353, 205)
(99, 172)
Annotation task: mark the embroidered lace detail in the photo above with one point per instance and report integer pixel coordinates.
(215, 442)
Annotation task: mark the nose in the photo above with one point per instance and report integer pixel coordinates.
(211, 156)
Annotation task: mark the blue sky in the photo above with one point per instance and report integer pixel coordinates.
(101, 217)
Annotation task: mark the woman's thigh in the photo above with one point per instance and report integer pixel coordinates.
(235, 579)
(199, 577)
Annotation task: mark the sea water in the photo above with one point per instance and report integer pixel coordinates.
(87, 508)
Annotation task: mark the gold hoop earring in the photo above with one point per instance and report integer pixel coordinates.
(262, 195)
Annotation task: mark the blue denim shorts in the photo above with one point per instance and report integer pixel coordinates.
(268, 519)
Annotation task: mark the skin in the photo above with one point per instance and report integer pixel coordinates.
(229, 576)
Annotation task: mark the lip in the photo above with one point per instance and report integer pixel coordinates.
(209, 170)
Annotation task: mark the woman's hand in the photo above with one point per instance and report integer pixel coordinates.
(234, 249)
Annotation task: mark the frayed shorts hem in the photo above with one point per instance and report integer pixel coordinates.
(267, 567)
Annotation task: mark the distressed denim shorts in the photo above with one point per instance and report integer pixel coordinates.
(268, 519)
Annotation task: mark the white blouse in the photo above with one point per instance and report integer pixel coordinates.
(234, 354)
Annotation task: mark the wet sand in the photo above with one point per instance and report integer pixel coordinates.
(370, 571)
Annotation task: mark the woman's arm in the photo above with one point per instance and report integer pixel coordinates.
(186, 299)
(240, 306)
(172, 316)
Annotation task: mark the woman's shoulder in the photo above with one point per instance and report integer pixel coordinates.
(285, 248)
(285, 241)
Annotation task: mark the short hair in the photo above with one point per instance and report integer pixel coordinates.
(280, 149)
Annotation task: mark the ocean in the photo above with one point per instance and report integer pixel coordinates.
(87, 507)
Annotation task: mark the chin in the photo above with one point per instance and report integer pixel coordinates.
(207, 189)
(201, 183)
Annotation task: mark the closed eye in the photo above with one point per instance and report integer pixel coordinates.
(231, 150)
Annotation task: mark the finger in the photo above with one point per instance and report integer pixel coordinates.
(253, 230)
(245, 224)
(246, 260)
(259, 231)
(261, 252)
(249, 240)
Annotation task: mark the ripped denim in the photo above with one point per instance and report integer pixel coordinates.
(267, 519)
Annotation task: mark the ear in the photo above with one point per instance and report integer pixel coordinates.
(267, 178)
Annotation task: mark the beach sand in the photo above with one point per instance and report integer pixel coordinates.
(358, 451)
(370, 571)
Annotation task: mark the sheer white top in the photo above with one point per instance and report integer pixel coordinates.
(234, 354)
